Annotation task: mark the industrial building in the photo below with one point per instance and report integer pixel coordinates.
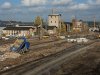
(19, 31)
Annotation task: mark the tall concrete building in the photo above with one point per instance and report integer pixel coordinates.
(54, 20)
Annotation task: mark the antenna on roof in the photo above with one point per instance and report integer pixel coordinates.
(73, 17)
(53, 11)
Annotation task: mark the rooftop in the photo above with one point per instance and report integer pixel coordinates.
(17, 28)
(51, 27)
(54, 15)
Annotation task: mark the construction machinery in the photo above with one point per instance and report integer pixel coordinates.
(21, 45)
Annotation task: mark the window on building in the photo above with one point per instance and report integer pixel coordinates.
(55, 16)
(55, 21)
(51, 16)
(51, 21)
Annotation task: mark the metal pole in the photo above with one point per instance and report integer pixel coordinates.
(60, 25)
(94, 21)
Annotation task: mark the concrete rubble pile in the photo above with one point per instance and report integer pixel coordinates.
(4, 48)
(6, 53)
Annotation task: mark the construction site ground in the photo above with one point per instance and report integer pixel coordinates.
(83, 64)
(14, 59)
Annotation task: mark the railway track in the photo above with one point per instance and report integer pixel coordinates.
(31, 66)
(47, 44)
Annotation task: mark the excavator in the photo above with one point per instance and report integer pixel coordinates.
(21, 45)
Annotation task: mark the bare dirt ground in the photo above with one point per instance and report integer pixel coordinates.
(34, 54)
(84, 64)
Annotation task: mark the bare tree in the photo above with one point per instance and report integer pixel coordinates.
(38, 23)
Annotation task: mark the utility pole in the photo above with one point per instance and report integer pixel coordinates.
(60, 22)
(94, 21)
(40, 30)
(52, 11)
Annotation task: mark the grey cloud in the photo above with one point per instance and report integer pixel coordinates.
(6, 5)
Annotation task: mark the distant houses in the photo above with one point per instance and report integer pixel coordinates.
(79, 25)
(54, 26)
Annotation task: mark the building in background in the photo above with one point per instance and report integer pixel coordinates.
(79, 25)
(54, 22)
(15, 28)
(68, 26)
(52, 30)
(19, 31)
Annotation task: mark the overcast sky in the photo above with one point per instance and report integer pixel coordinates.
(27, 10)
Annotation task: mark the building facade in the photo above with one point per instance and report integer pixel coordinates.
(19, 31)
(52, 30)
(77, 25)
(54, 20)
(68, 26)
